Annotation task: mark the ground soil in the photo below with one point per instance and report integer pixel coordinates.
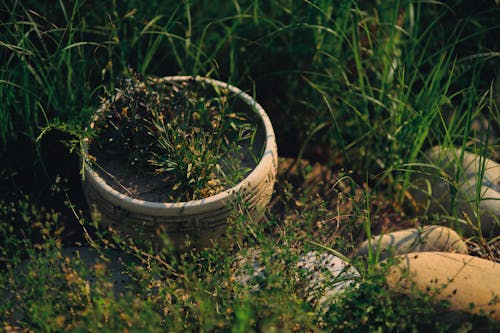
(150, 186)
(315, 185)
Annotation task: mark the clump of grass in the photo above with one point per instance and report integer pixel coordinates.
(192, 137)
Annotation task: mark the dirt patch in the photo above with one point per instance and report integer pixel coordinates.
(325, 205)
(148, 186)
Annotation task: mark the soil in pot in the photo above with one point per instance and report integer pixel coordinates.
(168, 141)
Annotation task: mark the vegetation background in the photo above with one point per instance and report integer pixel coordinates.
(363, 87)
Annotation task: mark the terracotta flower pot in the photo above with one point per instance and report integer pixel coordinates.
(200, 220)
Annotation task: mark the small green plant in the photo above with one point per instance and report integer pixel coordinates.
(188, 133)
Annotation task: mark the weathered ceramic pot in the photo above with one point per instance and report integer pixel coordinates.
(200, 221)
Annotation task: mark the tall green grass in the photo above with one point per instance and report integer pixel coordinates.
(370, 80)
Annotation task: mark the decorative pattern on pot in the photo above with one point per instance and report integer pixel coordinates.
(201, 220)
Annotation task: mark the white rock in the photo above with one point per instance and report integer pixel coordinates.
(426, 239)
(475, 188)
(248, 269)
(322, 276)
(326, 276)
(114, 266)
(86, 258)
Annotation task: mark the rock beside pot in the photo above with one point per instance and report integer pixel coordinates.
(326, 276)
(426, 239)
(93, 266)
(113, 265)
(477, 189)
(468, 283)
(319, 276)
(249, 270)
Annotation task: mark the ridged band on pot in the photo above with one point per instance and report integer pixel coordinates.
(201, 220)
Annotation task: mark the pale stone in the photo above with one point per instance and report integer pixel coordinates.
(248, 269)
(87, 258)
(426, 239)
(321, 276)
(477, 189)
(460, 279)
(326, 276)
(114, 266)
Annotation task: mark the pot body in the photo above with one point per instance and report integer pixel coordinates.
(199, 221)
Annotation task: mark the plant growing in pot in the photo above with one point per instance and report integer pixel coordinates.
(173, 156)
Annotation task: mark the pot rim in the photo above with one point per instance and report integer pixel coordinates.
(213, 202)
